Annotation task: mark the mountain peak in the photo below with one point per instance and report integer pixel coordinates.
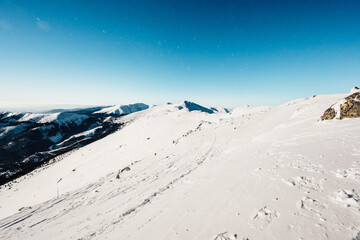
(191, 106)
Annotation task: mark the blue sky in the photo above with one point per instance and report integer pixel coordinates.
(220, 53)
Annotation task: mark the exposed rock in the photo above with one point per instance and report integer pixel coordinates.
(328, 114)
(121, 171)
(125, 169)
(348, 107)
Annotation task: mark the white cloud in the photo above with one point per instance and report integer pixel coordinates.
(42, 24)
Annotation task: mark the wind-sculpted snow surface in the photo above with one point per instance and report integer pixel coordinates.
(171, 173)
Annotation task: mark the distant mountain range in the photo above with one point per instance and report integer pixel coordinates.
(28, 140)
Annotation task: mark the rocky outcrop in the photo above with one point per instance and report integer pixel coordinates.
(328, 114)
(348, 107)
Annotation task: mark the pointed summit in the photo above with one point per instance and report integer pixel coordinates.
(196, 107)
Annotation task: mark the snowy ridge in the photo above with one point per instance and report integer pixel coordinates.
(86, 134)
(60, 118)
(119, 110)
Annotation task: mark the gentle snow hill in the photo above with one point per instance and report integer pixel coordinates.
(244, 110)
(257, 173)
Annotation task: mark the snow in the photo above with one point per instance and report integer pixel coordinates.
(85, 134)
(5, 130)
(355, 90)
(246, 110)
(12, 130)
(60, 118)
(258, 173)
(337, 108)
(88, 133)
(119, 110)
(9, 114)
(56, 138)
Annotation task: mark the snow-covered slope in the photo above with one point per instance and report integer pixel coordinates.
(245, 110)
(264, 173)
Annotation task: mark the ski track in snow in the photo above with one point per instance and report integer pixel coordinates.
(266, 173)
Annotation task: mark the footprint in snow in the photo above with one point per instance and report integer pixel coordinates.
(308, 205)
(350, 173)
(307, 183)
(307, 167)
(264, 217)
(348, 198)
(228, 236)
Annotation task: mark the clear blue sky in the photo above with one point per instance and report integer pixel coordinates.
(220, 53)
